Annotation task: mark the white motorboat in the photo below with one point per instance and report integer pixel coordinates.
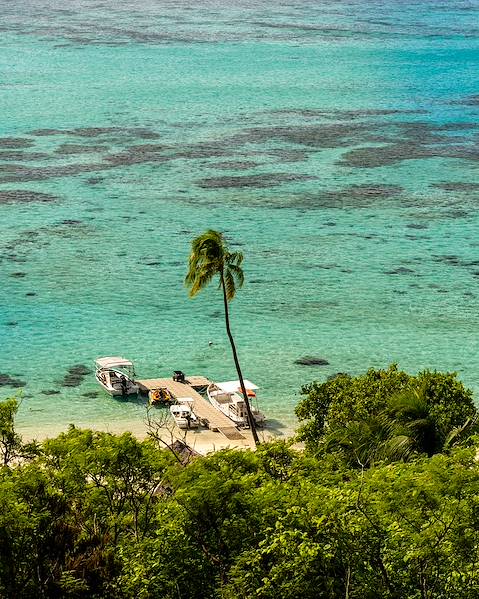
(116, 375)
(183, 414)
(227, 398)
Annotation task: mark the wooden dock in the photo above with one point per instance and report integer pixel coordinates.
(209, 416)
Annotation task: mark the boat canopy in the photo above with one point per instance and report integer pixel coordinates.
(234, 386)
(187, 401)
(180, 410)
(113, 362)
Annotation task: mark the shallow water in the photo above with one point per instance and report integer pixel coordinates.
(335, 143)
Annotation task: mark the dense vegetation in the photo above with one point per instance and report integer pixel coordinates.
(91, 514)
(385, 415)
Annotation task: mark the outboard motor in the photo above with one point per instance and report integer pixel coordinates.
(179, 376)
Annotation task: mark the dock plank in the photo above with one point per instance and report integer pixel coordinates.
(198, 381)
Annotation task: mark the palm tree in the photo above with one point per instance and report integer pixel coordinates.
(411, 420)
(210, 257)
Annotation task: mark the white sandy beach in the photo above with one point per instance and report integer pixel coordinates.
(203, 440)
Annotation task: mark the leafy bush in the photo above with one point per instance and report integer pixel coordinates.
(93, 515)
(385, 413)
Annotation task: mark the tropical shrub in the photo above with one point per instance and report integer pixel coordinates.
(385, 414)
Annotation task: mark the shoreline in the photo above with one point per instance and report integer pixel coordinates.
(202, 440)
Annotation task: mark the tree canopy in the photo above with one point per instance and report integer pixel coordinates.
(92, 515)
(385, 414)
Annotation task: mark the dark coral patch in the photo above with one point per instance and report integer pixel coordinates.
(377, 156)
(74, 376)
(15, 142)
(47, 132)
(148, 148)
(458, 186)
(71, 222)
(94, 180)
(137, 154)
(18, 155)
(414, 140)
(23, 196)
(94, 131)
(79, 370)
(69, 149)
(358, 195)
(215, 149)
(416, 226)
(454, 260)
(250, 181)
(468, 101)
(232, 165)
(7, 381)
(329, 135)
(20, 173)
(401, 270)
(311, 361)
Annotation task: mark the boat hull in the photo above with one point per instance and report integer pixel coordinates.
(184, 418)
(131, 388)
(226, 407)
(233, 406)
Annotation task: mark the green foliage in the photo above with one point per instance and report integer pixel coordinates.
(210, 257)
(167, 563)
(93, 515)
(65, 511)
(10, 442)
(277, 459)
(404, 531)
(385, 414)
(345, 398)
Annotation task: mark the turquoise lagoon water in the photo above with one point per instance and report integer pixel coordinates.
(335, 143)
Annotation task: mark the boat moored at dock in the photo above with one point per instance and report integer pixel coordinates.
(226, 397)
(116, 375)
(207, 414)
(183, 414)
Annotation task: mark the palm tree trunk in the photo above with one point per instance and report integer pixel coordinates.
(251, 419)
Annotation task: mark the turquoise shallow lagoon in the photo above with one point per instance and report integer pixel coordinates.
(335, 143)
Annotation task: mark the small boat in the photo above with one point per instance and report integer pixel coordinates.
(116, 375)
(227, 398)
(183, 414)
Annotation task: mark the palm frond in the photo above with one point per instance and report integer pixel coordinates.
(409, 404)
(399, 447)
(235, 258)
(200, 281)
(205, 261)
(229, 283)
(210, 257)
(459, 433)
(410, 414)
(357, 441)
(237, 273)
